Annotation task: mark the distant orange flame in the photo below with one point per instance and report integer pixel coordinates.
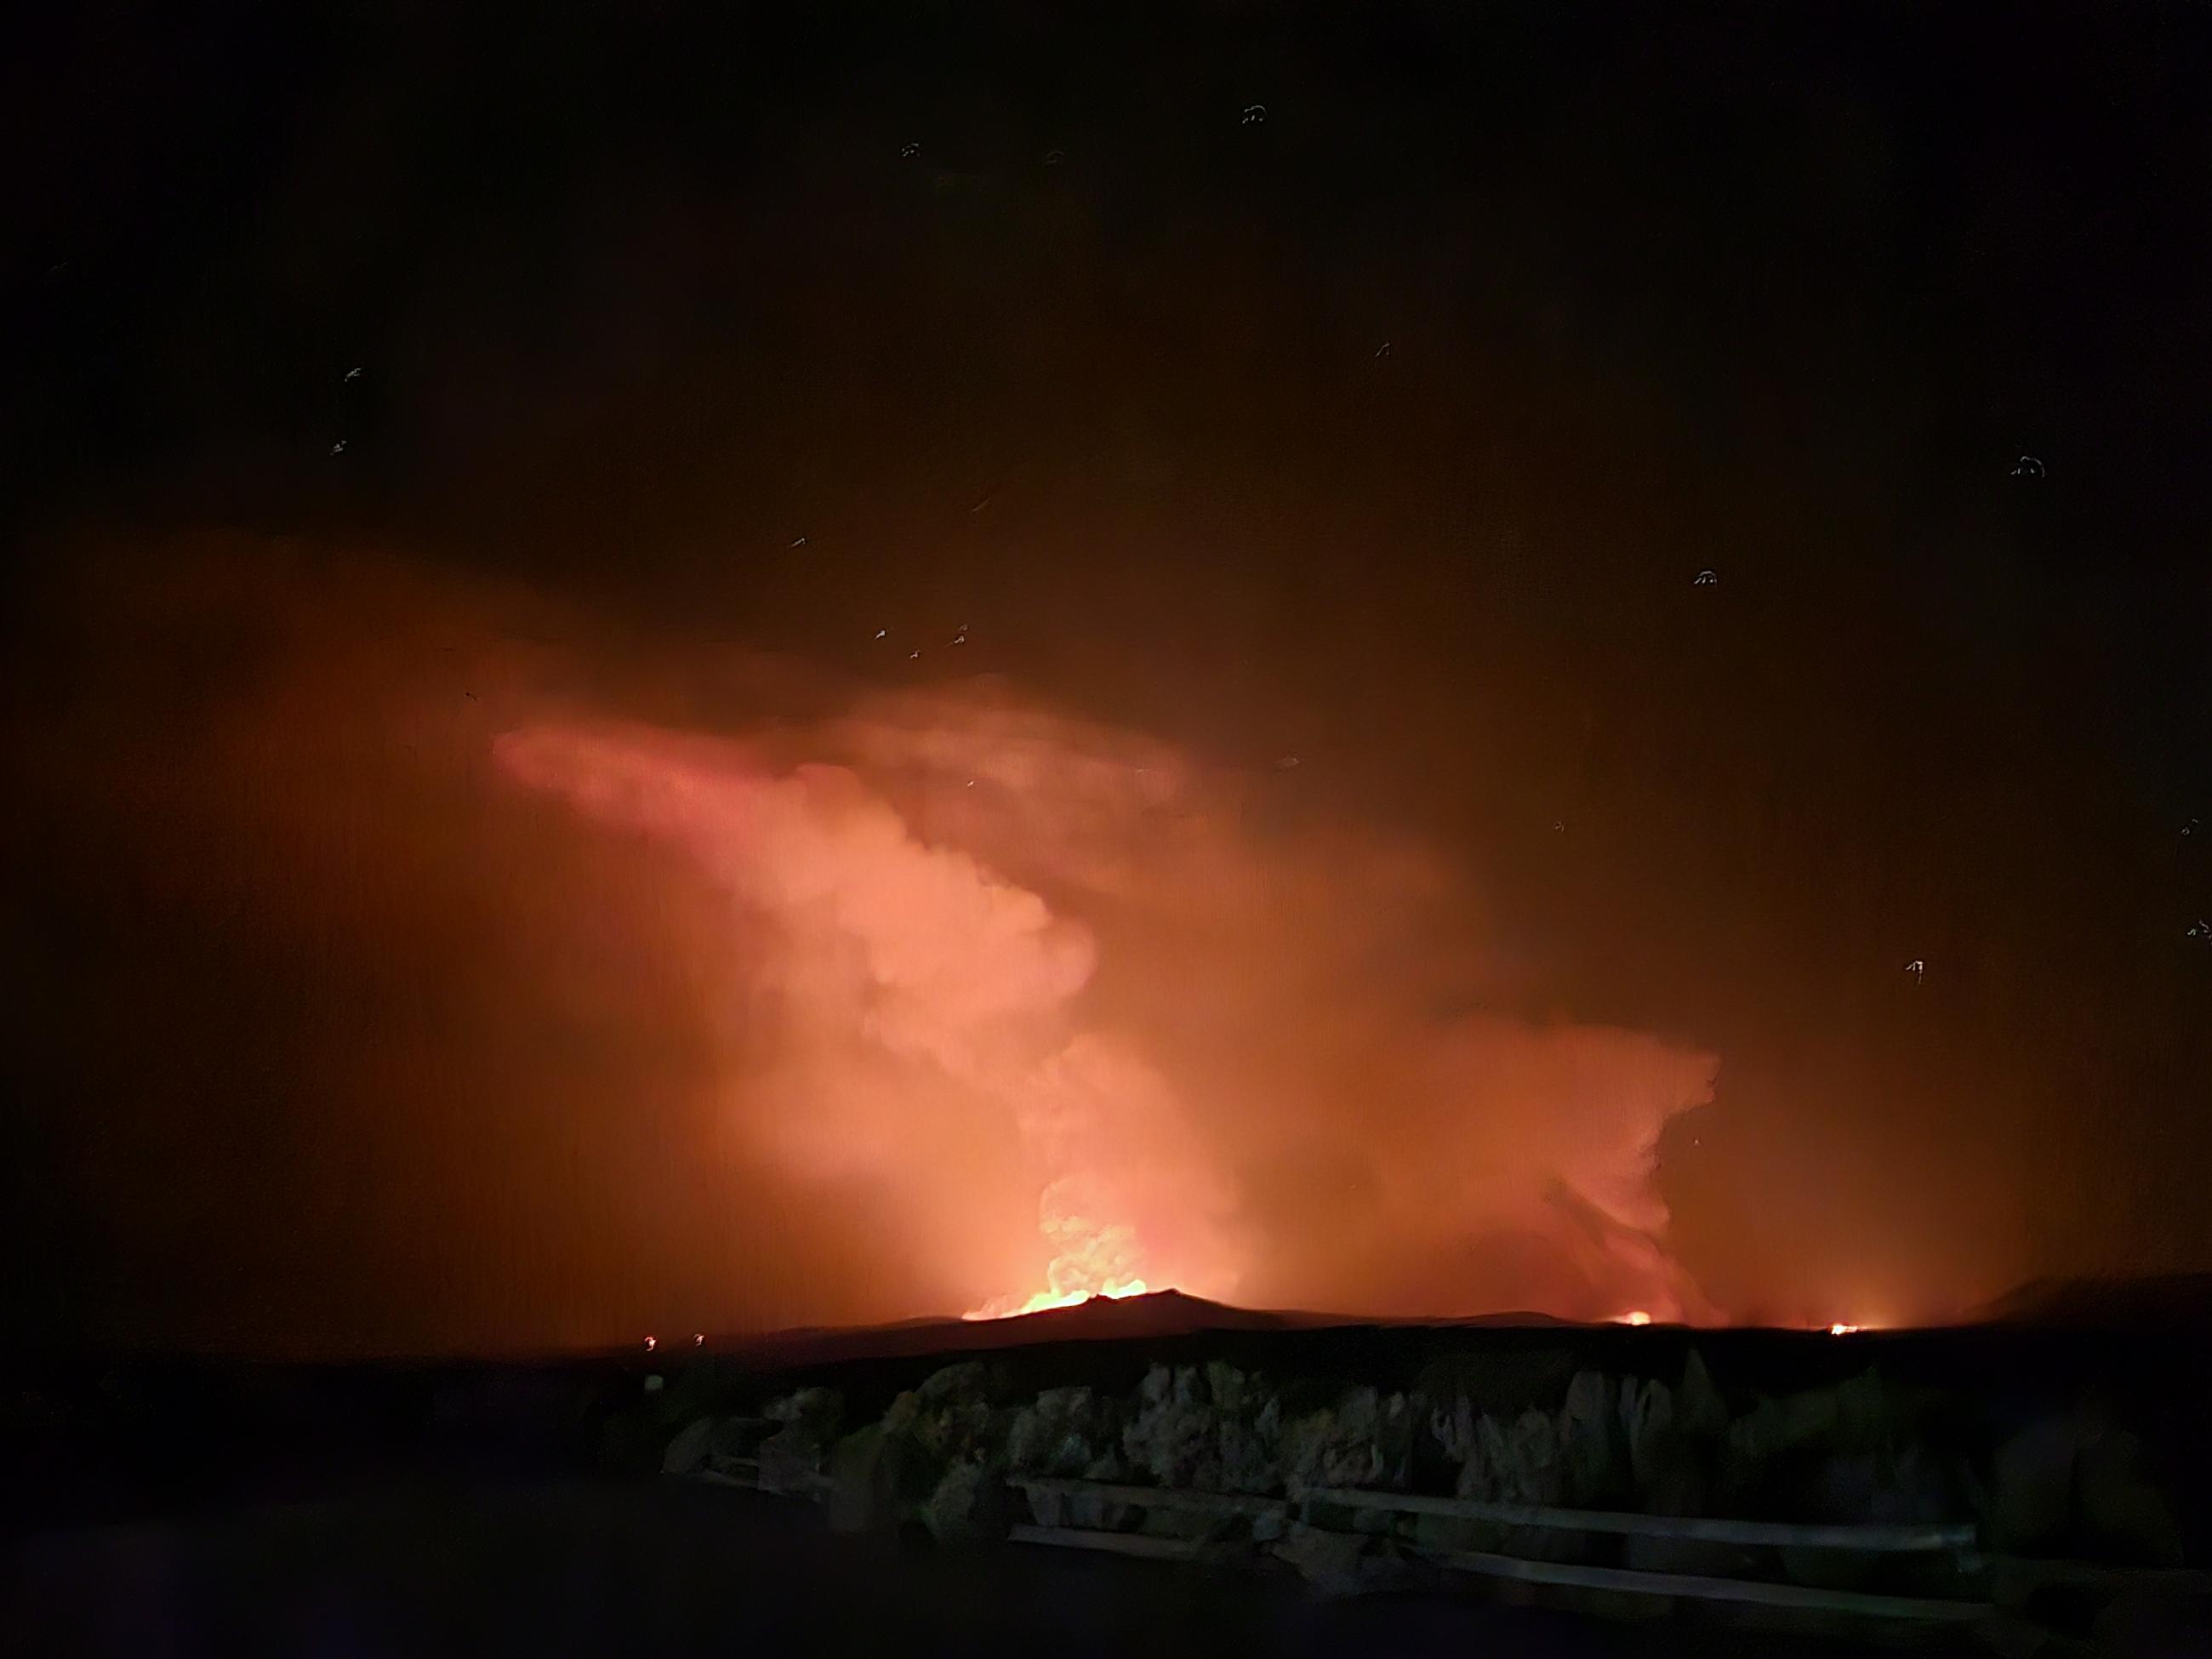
(1840, 1330)
(1095, 1259)
(1636, 1317)
(927, 998)
(1007, 1308)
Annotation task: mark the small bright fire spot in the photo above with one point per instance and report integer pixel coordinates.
(1841, 1329)
(651, 1343)
(1636, 1317)
(1006, 1309)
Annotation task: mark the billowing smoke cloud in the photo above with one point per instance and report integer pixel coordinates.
(458, 976)
(1210, 1046)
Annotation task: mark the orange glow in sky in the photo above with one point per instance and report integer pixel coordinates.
(1039, 1002)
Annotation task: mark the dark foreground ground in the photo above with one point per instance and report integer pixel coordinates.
(676, 1568)
(189, 1508)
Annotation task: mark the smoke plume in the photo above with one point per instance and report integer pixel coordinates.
(1212, 1050)
(459, 972)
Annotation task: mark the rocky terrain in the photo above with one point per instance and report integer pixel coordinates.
(2083, 1443)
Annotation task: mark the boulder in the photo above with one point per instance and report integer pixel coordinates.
(925, 1438)
(1327, 1558)
(1087, 1509)
(1363, 1441)
(734, 1438)
(1173, 1438)
(1581, 1454)
(790, 1459)
(1060, 1434)
(873, 1478)
(1698, 1408)
(1313, 1444)
(1457, 1392)
(969, 1380)
(1775, 1426)
(1592, 1450)
(1393, 1441)
(1338, 1564)
(904, 1414)
(687, 1450)
(1861, 1414)
(1228, 1387)
(1094, 1512)
(792, 1454)
(1250, 1446)
(1672, 1476)
(1452, 1431)
(970, 1504)
(1502, 1381)
(1516, 1463)
(817, 1410)
(1647, 1426)
(956, 1421)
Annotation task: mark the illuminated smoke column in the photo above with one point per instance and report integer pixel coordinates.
(1102, 1023)
(923, 1000)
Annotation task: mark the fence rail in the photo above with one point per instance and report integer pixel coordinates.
(1916, 1539)
(1151, 1497)
(1639, 1582)
(1957, 1538)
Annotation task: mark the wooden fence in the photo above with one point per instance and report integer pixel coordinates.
(1999, 1584)
(1954, 1539)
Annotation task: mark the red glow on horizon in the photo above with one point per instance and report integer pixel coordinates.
(1006, 1308)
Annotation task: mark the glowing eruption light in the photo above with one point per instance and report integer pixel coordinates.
(1005, 1307)
(1094, 1260)
(978, 959)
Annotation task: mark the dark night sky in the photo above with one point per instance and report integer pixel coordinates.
(641, 295)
